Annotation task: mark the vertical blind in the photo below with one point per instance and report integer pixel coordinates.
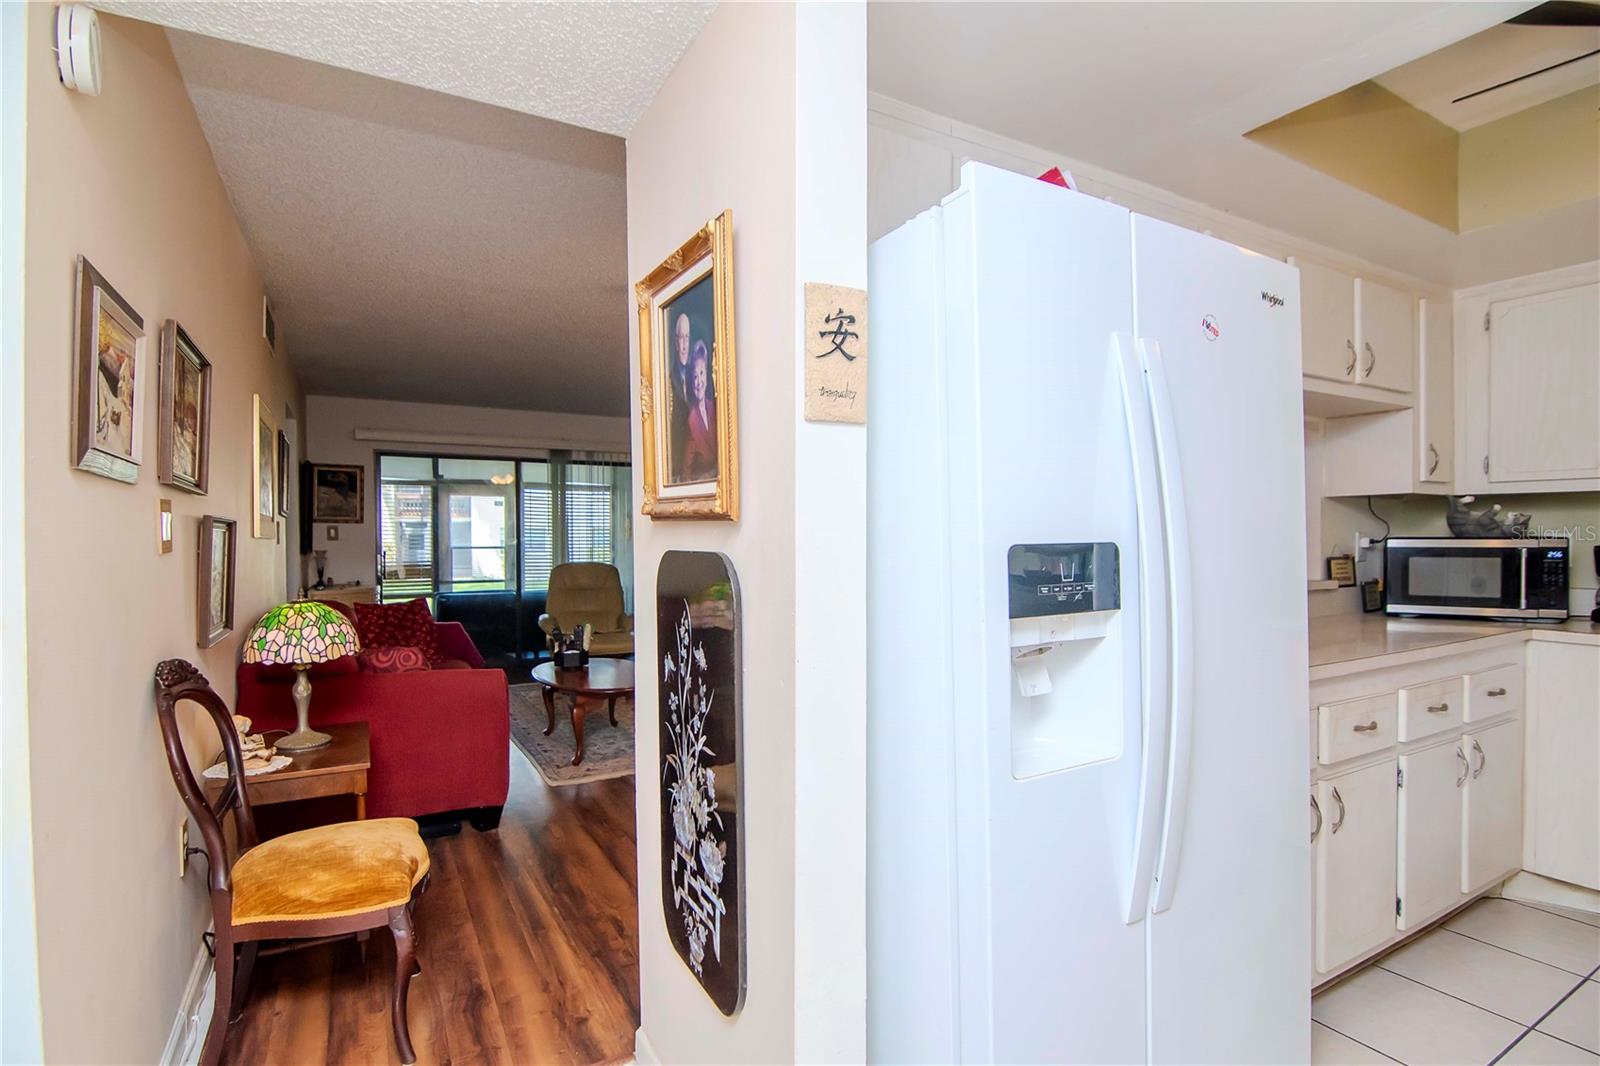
(405, 511)
(569, 515)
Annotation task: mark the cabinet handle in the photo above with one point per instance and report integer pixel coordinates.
(1339, 821)
(1438, 708)
(1370, 727)
(1464, 765)
(1496, 692)
(1316, 809)
(1483, 758)
(1350, 369)
(1372, 357)
(1433, 462)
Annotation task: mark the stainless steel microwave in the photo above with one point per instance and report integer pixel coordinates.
(1458, 577)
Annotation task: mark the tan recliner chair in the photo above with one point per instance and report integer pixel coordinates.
(592, 593)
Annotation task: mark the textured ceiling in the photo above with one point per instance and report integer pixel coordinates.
(419, 246)
(1496, 55)
(594, 65)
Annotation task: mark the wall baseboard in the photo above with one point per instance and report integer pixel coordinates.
(1532, 888)
(194, 1014)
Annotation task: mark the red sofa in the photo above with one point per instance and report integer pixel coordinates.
(440, 738)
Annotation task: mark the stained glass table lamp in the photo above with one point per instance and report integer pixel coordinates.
(301, 634)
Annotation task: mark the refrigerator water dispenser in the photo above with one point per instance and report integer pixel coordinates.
(1064, 603)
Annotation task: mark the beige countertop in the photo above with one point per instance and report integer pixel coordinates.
(1350, 638)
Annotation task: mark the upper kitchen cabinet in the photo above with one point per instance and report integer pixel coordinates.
(1358, 344)
(1385, 336)
(1529, 362)
(1327, 322)
(1436, 397)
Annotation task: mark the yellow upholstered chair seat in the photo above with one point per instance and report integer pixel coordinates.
(329, 872)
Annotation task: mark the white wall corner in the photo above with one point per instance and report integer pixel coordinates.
(21, 1021)
(830, 554)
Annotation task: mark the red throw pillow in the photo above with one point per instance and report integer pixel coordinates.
(397, 660)
(399, 625)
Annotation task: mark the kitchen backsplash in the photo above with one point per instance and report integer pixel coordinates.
(1574, 515)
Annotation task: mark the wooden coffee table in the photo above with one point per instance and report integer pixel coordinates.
(338, 769)
(602, 680)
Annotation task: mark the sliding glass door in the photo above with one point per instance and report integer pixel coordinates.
(478, 537)
(477, 525)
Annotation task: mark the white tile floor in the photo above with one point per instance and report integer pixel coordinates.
(1501, 982)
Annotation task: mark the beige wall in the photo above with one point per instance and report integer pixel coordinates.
(332, 423)
(127, 180)
(1368, 137)
(1537, 160)
(762, 115)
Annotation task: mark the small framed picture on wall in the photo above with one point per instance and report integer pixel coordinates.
(108, 418)
(183, 422)
(283, 474)
(338, 493)
(218, 549)
(265, 519)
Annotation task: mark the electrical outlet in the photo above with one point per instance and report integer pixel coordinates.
(183, 847)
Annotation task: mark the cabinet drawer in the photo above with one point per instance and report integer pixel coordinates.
(1494, 691)
(1355, 727)
(1430, 708)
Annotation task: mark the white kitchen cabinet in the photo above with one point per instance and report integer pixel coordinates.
(1561, 822)
(1428, 864)
(1327, 322)
(1491, 808)
(1544, 386)
(1385, 336)
(1355, 864)
(1436, 395)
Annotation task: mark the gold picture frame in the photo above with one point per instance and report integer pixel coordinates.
(688, 395)
(264, 452)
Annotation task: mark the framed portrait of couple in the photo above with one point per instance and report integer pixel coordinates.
(688, 402)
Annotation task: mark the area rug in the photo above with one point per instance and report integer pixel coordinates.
(607, 748)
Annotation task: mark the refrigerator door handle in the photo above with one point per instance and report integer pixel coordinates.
(1180, 627)
(1153, 626)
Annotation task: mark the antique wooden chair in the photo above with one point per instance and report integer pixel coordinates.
(320, 883)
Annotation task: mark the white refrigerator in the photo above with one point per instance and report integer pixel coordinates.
(1088, 737)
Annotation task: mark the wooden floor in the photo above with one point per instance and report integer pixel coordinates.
(528, 942)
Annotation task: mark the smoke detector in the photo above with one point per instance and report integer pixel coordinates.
(78, 48)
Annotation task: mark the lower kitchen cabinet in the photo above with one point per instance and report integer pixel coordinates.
(1491, 808)
(1355, 863)
(1418, 774)
(1429, 863)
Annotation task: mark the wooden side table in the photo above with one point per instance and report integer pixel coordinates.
(336, 770)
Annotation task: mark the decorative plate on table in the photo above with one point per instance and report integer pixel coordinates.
(218, 771)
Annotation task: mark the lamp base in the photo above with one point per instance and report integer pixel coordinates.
(303, 740)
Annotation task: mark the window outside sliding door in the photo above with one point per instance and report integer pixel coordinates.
(452, 526)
